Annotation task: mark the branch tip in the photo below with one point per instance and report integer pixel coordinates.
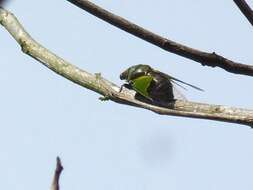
(59, 166)
(55, 184)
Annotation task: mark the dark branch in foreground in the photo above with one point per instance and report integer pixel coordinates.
(57, 173)
(245, 9)
(209, 59)
(109, 90)
(3, 2)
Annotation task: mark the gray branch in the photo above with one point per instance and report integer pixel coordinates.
(97, 83)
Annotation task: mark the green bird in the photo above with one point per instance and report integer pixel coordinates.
(152, 84)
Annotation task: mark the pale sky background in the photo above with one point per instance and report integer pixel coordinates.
(107, 146)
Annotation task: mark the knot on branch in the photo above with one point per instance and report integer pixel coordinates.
(212, 60)
(24, 46)
(217, 59)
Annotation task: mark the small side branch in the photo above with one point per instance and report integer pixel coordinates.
(205, 58)
(97, 83)
(57, 173)
(245, 9)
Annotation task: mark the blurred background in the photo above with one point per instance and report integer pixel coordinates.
(104, 145)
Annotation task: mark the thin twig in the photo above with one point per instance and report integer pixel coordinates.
(111, 91)
(245, 9)
(205, 58)
(57, 173)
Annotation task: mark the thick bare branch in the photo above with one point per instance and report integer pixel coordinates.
(109, 90)
(209, 59)
(245, 9)
(57, 173)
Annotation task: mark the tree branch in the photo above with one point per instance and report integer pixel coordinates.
(109, 90)
(2, 2)
(209, 59)
(57, 173)
(245, 9)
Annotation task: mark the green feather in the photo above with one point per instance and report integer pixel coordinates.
(141, 85)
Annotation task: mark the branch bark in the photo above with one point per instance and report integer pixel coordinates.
(111, 91)
(245, 9)
(205, 58)
(55, 184)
